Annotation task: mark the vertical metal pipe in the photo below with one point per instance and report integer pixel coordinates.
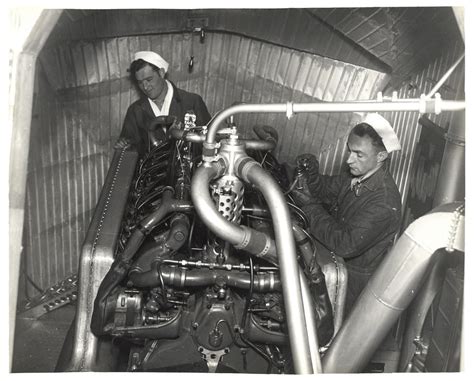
(251, 172)
(451, 178)
(310, 325)
(391, 289)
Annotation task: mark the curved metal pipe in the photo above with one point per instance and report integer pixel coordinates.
(168, 205)
(242, 237)
(175, 238)
(392, 288)
(121, 264)
(249, 170)
(257, 145)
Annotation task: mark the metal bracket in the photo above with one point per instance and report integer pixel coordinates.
(289, 110)
(212, 357)
(53, 298)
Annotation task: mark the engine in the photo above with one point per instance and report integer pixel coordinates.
(197, 281)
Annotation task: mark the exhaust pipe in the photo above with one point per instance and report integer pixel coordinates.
(301, 322)
(300, 316)
(392, 287)
(182, 277)
(242, 237)
(122, 263)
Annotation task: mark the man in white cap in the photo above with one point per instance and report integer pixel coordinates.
(160, 97)
(355, 215)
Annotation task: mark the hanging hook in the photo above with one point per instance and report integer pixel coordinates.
(191, 64)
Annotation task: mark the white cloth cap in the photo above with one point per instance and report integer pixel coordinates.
(153, 58)
(384, 130)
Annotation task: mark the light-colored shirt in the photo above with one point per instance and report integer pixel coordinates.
(165, 109)
(355, 182)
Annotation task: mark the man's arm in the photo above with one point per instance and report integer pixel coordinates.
(129, 134)
(351, 238)
(320, 187)
(202, 114)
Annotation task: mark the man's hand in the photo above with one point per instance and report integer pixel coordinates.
(122, 143)
(308, 163)
(303, 198)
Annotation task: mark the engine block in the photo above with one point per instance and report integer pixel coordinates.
(179, 296)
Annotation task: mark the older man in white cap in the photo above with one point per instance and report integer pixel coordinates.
(160, 97)
(355, 215)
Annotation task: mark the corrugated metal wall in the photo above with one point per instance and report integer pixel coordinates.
(406, 123)
(298, 28)
(227, 68)
(67, 166)
(405, 39)
(84, 93)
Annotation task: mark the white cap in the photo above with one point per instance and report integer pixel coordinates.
(153, 58)
(384, 130)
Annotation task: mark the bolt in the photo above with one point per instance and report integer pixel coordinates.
(179, 236)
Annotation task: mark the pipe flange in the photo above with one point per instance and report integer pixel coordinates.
(246, 238)
(243, 166)
(208, 151)
(266, 249)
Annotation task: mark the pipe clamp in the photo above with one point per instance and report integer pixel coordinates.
(422, 104)
(289, 110)
(437, 103)
(266, 248)
(245, 238)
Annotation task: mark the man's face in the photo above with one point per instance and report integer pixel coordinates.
(150, 82)
(363, 156)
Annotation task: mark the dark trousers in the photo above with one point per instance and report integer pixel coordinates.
(357, 280)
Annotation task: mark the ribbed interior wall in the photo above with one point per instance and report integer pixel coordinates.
(406, 123)
(85, 91)
(406, 39)
(297, 28)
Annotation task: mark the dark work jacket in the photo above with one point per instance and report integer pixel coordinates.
(140, 115)
(357, 227)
